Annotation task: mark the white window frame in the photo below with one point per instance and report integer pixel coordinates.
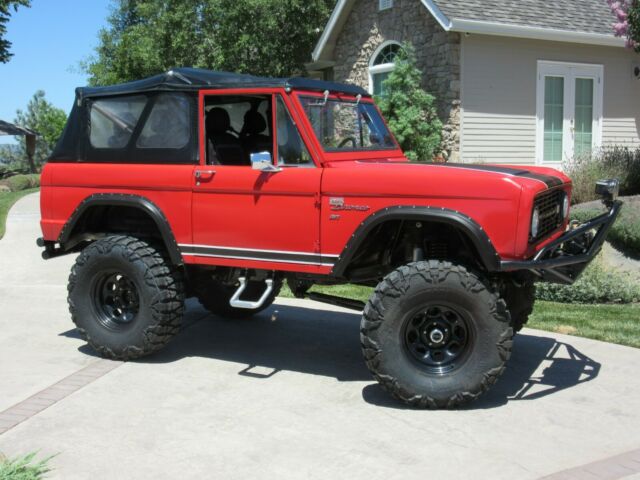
(570, 72)
(383, 68)
(385, 5)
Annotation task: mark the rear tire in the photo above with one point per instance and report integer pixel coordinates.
(125, 297)
(435, 335)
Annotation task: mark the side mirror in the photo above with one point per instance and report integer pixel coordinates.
(262, 161)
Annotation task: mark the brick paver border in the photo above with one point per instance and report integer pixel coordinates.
(58, 391)
(612, 468)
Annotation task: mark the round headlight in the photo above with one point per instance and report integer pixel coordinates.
(565, 206)
(535, 222)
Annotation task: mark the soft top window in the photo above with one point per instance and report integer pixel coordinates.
(113, 120)
(150, 128)
(168, 124)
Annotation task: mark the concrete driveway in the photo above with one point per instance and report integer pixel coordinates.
(290, 398)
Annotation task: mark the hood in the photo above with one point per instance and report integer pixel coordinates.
(440, 180)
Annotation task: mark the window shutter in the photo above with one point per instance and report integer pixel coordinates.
(385, 4)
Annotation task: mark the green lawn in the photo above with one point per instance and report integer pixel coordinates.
(610, 323)
(7, 199)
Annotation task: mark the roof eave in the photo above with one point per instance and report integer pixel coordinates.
(535, 33)
(341, 8)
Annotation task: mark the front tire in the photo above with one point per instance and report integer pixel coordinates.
(435, 335)
(125, 298)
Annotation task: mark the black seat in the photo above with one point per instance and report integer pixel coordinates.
(252, 137)
(223, 147)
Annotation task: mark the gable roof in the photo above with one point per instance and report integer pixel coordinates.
(576, 21)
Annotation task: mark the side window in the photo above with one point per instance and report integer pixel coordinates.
(113, 120)
(291, 148)
(168, 123)
(237, 126)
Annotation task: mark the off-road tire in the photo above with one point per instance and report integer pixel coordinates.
(520, 301)
(402, 293)
(160, 292)
(214, 296)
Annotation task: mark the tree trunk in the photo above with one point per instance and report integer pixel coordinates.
(30, 142)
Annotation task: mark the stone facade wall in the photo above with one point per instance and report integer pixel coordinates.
(438, 55)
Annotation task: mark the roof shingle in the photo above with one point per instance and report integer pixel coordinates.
(588, 16)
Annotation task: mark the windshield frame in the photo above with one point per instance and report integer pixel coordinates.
(347, 153)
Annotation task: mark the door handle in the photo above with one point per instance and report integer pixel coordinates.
(203, 175)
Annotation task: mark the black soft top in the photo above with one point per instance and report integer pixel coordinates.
(192, 79)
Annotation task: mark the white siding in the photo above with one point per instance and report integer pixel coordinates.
(499, 95)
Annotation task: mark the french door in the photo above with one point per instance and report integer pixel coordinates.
(569, 110)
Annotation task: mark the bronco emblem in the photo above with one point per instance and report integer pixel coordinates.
(337, 203)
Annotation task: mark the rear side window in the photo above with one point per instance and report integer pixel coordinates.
(113, 120)
(168, 124)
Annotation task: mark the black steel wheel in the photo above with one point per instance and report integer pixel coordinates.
(115, 299)
(435, 335)
(438, 337)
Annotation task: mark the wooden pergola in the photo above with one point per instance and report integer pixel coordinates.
(7, 128)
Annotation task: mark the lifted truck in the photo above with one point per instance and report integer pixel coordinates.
(222, 186)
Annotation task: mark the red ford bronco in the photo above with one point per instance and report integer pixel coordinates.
(222, 186)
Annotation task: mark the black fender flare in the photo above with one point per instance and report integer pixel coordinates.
(125, 200)
(489, 257)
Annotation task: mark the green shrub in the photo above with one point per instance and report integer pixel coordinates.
(625, 233)
(23, 468)
(23, 182)
(410, 111)
(598, 284)
(611, 162)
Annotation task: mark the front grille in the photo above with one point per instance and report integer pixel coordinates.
(549, 205)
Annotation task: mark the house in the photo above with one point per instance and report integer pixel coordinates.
(529, 81)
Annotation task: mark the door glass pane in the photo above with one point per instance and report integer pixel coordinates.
(553, 118)
(584, 116)
(291, 148)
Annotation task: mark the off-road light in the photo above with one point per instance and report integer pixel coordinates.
(608, 189)
(565, 206)
(535, 222)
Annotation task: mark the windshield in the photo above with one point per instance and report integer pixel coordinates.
(347, 126)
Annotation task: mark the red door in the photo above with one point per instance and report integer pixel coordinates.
(244, 215)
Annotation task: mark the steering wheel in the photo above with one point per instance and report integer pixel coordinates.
(348, 139)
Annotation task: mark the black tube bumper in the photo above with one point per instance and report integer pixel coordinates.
(564, 259)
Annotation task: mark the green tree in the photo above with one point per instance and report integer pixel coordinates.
(409, 110)
(5, 14)
(634, 25)
(42, 117)
(260, 37)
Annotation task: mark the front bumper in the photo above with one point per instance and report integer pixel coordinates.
(564, 259)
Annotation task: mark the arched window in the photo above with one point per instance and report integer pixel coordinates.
(381, 65)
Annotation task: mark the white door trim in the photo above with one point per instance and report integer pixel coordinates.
(570, 72)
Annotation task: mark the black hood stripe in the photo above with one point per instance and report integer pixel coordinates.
(549, 180)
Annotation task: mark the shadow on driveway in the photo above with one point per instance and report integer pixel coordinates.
(319, 342)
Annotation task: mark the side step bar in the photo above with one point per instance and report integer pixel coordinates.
(338, 301)
(246, 304)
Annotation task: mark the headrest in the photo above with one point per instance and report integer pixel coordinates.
(218, 121)
(254, 123)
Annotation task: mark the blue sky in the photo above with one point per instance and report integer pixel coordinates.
(49, 39)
